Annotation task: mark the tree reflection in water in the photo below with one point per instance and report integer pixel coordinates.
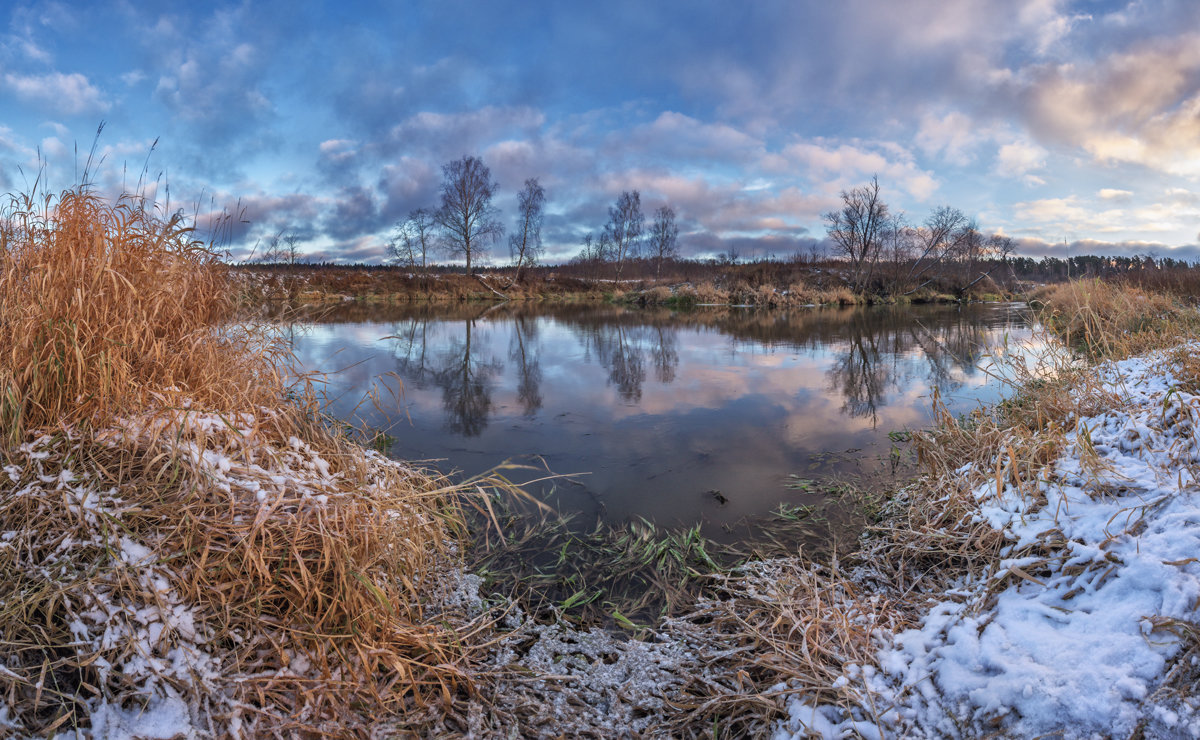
(524, 350)
(466, 383)
(873, 352)
(623, 348)
(460, 371)
(870, 361)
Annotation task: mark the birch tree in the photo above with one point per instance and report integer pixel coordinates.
(664, 236)
(525, 244)
(467, 217)
(623, 232)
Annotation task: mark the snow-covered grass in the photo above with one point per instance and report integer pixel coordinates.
(187, 547)
(210, 569)
(1068, 603)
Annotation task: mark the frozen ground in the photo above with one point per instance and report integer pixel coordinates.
(1074, 634)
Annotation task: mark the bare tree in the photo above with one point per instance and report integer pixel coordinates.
(855, 231)
(623, 231)
(589, 251)
(664, 236)
(969, 248)
(283, 249)
(413, 239)
(995, 248)
(525, 245)
(897, 244)
(467, 217)
(934, 242)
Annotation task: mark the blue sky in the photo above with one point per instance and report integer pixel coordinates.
(1066, 124)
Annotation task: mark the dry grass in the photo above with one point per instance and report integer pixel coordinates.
(1110, 320)
(175, 530)
(102, 304)
(782, 628)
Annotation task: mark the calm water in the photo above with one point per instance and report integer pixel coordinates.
(676, 417)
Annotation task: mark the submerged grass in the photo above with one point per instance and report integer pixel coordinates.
(628, 576)
(178, 535)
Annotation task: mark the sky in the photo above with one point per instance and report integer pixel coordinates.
(1072, 126)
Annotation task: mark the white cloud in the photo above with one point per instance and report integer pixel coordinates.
(676, 135)
(53, 148)
(1059, 210)
(850, 164)
(1140, 106)
(67, 94)
(1020, 158)
(1114, 194)
(337, 151)
(952, 135)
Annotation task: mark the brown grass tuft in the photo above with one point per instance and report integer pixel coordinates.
(1110, 320)
(103, 304)
(174, 530)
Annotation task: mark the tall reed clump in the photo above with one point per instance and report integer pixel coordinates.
(182, 544)
(1112, 320)
(103, 304)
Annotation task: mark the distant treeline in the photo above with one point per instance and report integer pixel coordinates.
(1011, 273)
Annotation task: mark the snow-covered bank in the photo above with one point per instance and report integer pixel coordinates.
(1087, 624)
(200, 575)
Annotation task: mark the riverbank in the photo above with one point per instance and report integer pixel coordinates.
(1048, 585)
(187, 547)
(306, 285)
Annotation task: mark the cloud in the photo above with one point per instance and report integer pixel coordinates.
(673, 136)
(447, 136)
(1138, 106)
(363, 249)
(53, 148)
(1019, 158)
(1059, 211)
(407, 185)
(952, 136)
(65, 94)
(1034, 247)
(850, 164)
(355, 212)
(1114, 194)
(211, 79)
(1071, 215)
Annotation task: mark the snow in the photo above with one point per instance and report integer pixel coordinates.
(163, 718)
(128, 615)
(1072, 632)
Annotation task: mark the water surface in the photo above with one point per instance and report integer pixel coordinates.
(709, 416)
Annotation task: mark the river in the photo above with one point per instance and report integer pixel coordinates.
(712, 416)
